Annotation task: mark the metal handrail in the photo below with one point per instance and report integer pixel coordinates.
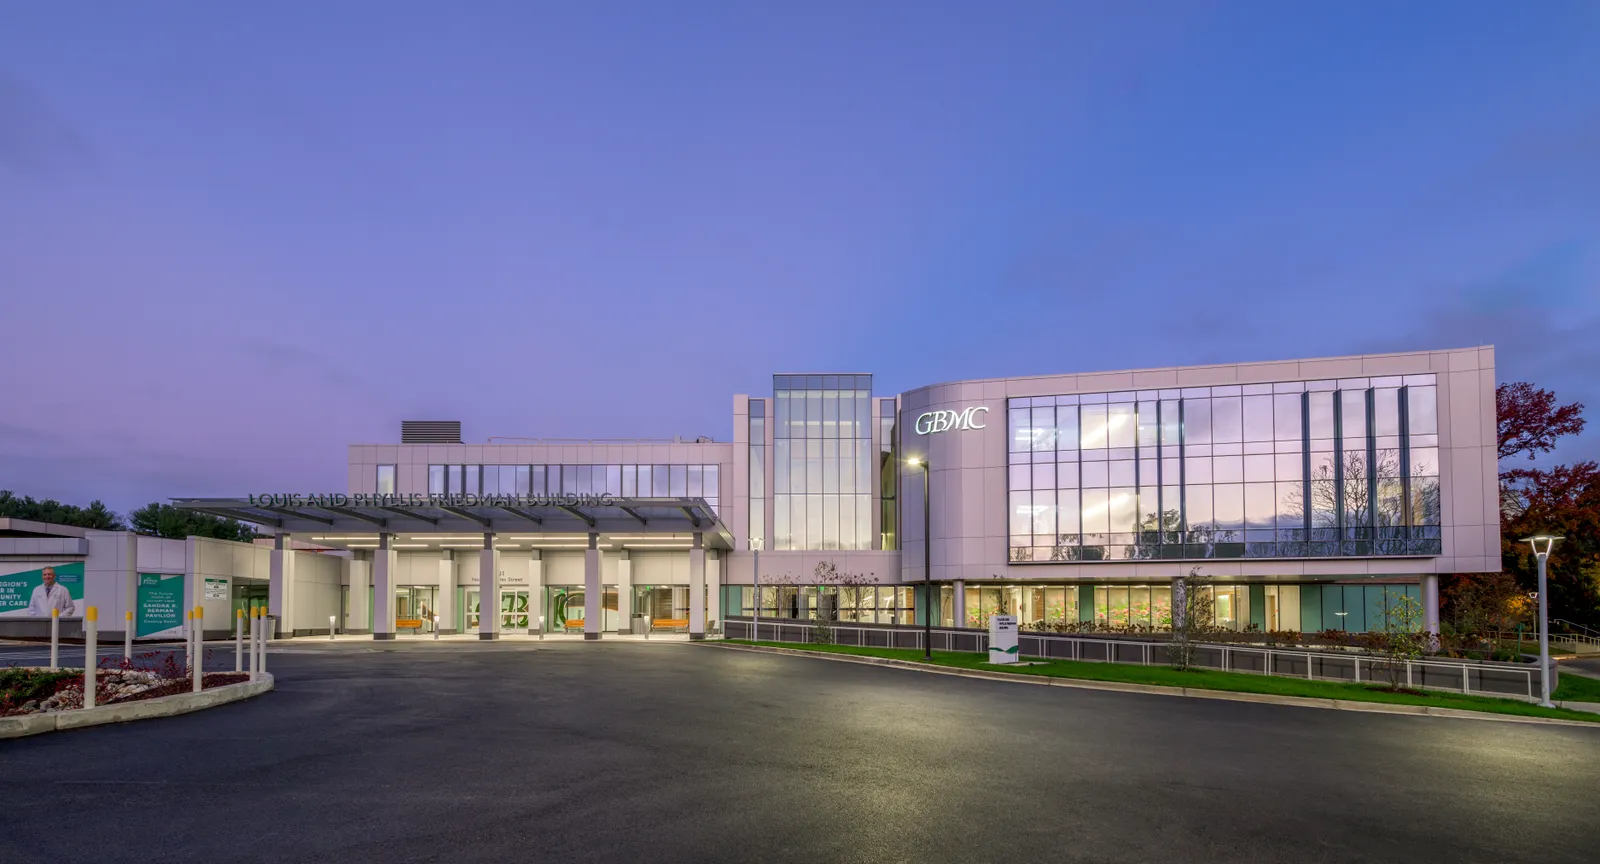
(1531, 639)
(1270, 656)
(1571, 625)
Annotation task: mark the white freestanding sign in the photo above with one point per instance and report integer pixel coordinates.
(1002, 638)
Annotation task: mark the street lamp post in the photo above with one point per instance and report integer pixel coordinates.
(927, 563)
(755, 592)
(1541, 544)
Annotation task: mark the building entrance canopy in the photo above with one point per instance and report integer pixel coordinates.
(457, 514)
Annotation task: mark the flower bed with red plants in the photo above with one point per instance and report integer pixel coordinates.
(36, 691)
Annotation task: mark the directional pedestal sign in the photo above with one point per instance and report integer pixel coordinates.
(1002, 638)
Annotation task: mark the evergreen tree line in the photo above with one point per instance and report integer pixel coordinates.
(154, 519)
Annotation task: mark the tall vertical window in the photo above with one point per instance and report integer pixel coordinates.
(888, 476)
(1285, 470)
(385, 480)
(822, 461)
(757, 529)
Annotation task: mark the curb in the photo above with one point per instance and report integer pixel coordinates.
(164, 706)
(1164, 690)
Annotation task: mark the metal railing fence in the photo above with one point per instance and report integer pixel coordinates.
(1518, 681)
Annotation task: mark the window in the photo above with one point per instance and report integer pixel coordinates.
(385, 480)
(757, 481)
(1285, 470)
(823, 451)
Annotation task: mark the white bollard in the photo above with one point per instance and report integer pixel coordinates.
(127, 636)
(331, 626)
(188, 637)
(266, 634)
(238, 640)
(55, 639)
(91, 647)
(199, 646)
(253, 619)
(436, 628)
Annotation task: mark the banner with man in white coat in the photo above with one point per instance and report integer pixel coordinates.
(34, 593)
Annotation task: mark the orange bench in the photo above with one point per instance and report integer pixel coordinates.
(670, 623)
(408, 623)
(574, 624)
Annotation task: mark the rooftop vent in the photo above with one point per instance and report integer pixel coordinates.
(430, 431)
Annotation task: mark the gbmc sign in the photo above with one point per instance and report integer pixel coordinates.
(945, 421)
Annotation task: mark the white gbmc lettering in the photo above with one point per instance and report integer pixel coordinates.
(944, 421)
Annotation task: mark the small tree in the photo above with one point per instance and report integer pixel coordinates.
(1402, 638)
(825, 576)
(1193, 616)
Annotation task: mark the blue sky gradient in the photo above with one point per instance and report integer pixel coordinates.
(235, 239)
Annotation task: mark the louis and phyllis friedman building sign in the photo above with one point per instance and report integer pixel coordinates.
(417, 499)
(949, 421)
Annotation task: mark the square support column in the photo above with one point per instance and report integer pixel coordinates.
(445, 605)
(714, 564)
(488, 589)
(280, 586)
(356, 617)
(624, 592)
(383, 576)
(697, 589)
(593, 611)
(536, 592)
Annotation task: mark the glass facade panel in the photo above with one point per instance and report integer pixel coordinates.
(1290, 470)
(824, 442)
(385, 480)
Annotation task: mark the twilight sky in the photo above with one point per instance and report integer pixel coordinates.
(236, 237)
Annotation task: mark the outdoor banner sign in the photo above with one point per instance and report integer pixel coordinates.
(1002, 638)
(216, 589)
(160, 598)
(23, 595)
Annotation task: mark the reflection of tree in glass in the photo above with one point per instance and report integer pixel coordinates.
(1357, 501)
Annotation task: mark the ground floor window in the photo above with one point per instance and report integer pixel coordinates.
(864, 604)
(415, 606)
(662, 605)
(568, 608)
(1138, 607)
(1282, 608)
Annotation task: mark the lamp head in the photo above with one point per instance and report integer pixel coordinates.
(1542, 544)
(756, 543)
(915, 461)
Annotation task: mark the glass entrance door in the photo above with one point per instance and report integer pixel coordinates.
(514, 611)
(471, 608)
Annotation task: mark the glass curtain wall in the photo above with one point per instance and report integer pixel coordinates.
(1288, 470)
(822, 461)
(758, 470)
(888, 477)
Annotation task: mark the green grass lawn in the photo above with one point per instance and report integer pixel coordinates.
(1576, 688)
(1205, 679)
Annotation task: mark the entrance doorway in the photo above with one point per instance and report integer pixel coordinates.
(514, 611)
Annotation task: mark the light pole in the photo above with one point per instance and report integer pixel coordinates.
(927, 562)
(1543, 554)
(755, 593)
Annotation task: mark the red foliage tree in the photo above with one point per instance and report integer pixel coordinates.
(1530, 421)
(1562, 500)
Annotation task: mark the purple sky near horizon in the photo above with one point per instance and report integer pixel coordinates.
(235, 239)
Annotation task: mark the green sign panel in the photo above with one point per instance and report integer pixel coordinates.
(25, 591)
(160, 603)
